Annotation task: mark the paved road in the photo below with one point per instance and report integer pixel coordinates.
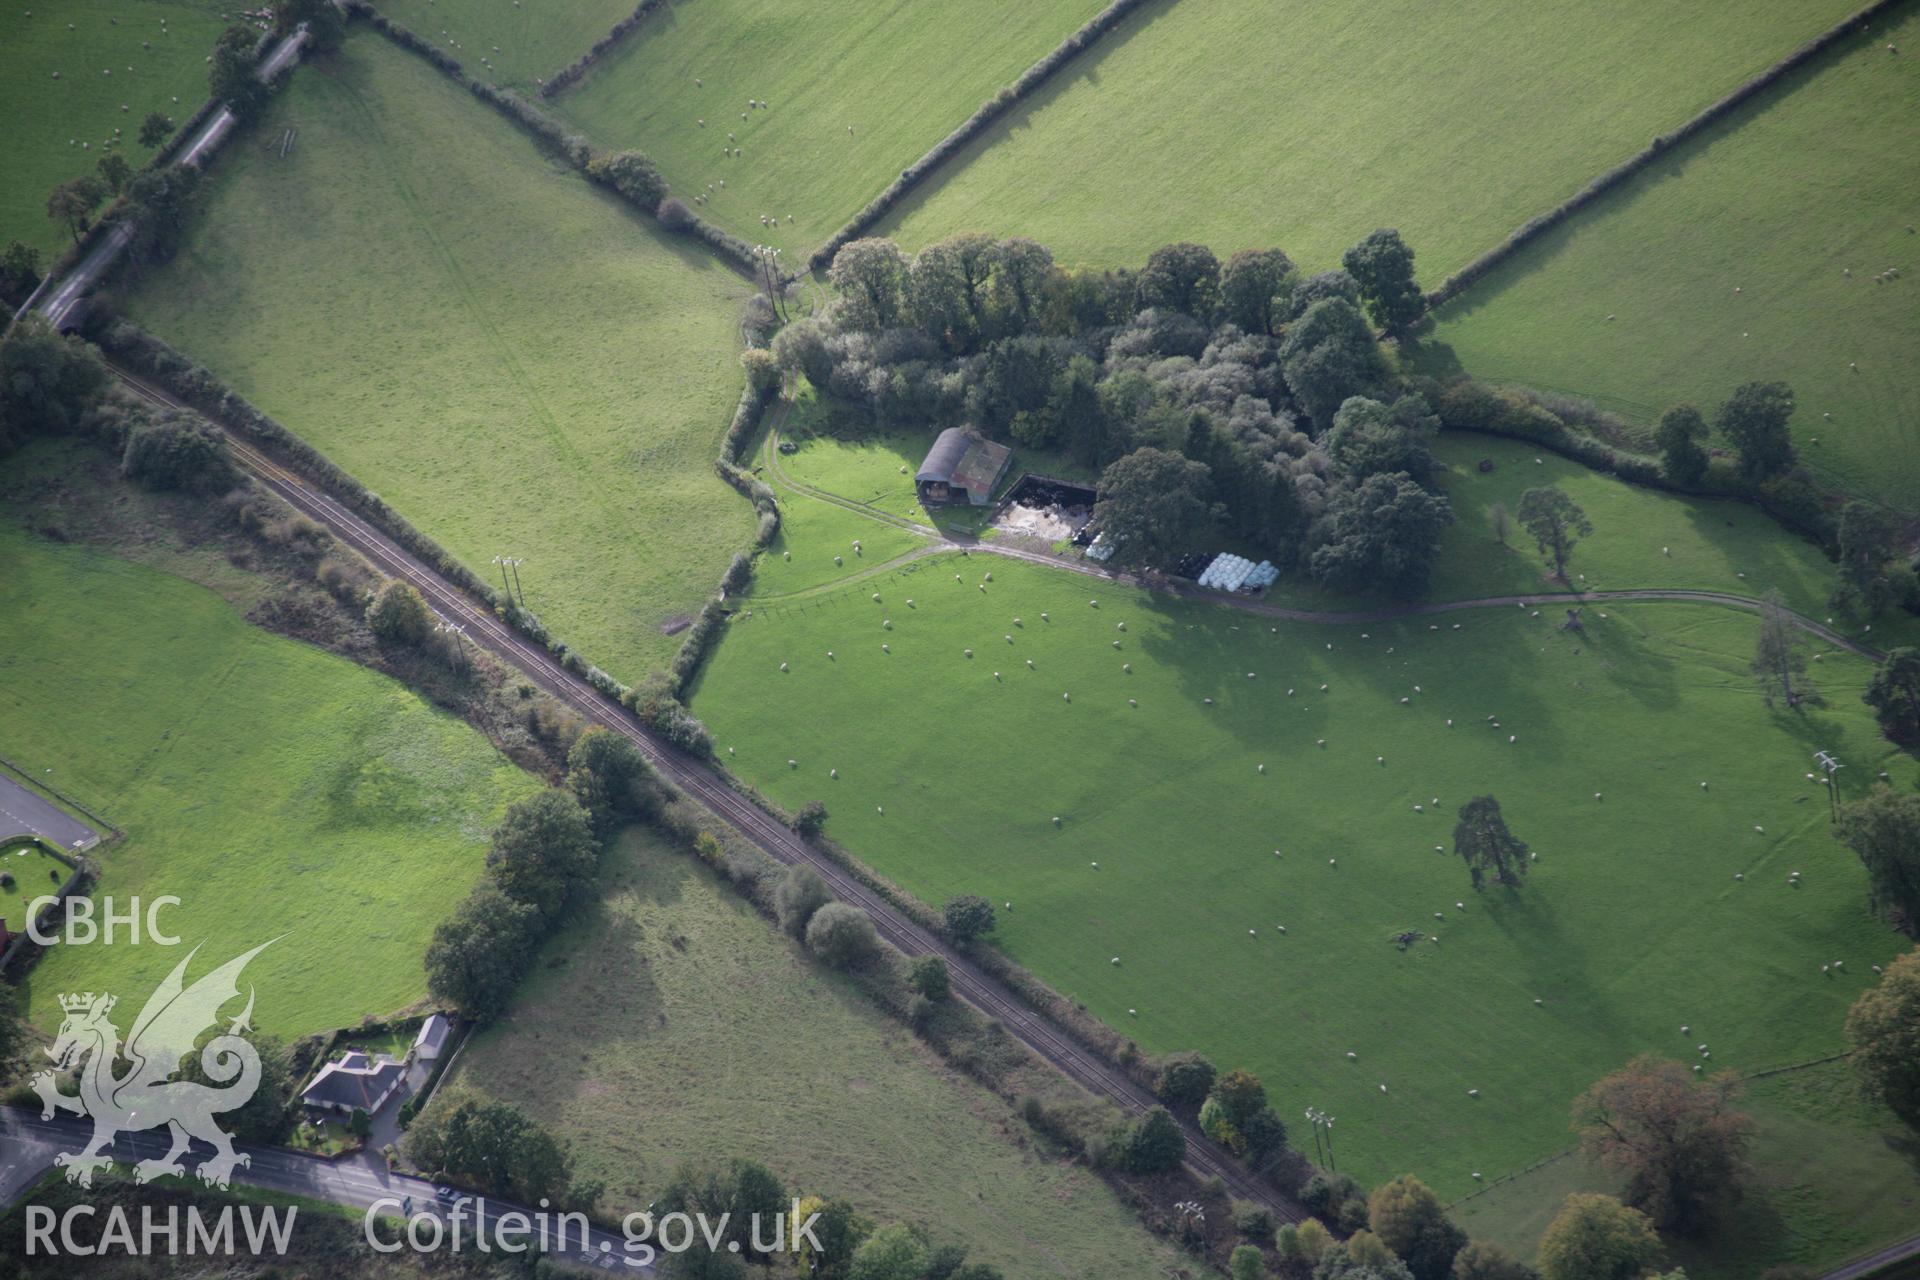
(1880, 1262)
(25, 813)
(58, 303)
(28, 1145)
(706, 786)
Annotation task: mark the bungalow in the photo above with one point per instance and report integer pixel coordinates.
(354, 1083)
(962, 467)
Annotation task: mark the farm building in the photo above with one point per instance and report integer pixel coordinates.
(962, 466)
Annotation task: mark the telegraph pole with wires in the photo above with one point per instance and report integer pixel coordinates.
(1832, 766)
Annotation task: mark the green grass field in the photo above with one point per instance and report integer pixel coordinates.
(1632, 925)
(510, 358)
(1641, 538)
(674, 1024)
(278, 791)
(522, 41)
(1833, 1176)
(1236, 124)
(59, 129)
(902, 77)
(1728, 262)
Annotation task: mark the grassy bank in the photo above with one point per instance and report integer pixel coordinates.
(509, 357)
(1751, 253)
(673, 1024)
(278, 791)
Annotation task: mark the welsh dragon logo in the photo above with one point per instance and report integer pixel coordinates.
(145, 1096)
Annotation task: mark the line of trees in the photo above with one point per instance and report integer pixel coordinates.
(544, 858)
(1239, 399)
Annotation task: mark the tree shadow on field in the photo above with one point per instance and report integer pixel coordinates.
(1627, 661)
(1755, 545)
(1562, 973)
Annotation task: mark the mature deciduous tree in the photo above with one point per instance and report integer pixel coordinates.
(1679, 1142)
(946, 289)
(1181, 277)
(1883, 828)
(1595, 1237)
(544, 851)
(610, 778)
(234, 75)
(155, 130)
(1328, 355)
(1484, 843)
(1153, 505)
(158, 203)
(1485, 1260)
(1156, 1144)
(1556, 523)
(1678, 436)
(968, 916)
(842, 935)
(494, 1146)
(398, 615)
(171, 450)
(1410, 1220)
(1894, 695)
(1779, 658)
(74, 201)
(1369, 438)
(800, 893)
(479, 954)
(1382, 264)
(869, 275)
(1185, 1080)
(1255, 289)
(1883, 1029)
(1021, 278)
(1382, 534)
(114, 171)
(1866, 551)
(1754, 421)
(894, 1252)
(928, 976)
(632, 173)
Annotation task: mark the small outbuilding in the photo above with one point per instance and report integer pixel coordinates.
(432, 1040)
(962, 467)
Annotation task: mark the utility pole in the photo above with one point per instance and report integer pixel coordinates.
(459, 634)
(507, 586)
(768, 260)
(1832, 767)
(1322, 1136)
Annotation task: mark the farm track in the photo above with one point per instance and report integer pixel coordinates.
(1176, 587)
(705, 785)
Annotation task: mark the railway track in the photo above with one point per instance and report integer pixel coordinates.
(985, 993)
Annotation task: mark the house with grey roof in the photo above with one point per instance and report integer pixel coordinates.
(356, 1082)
